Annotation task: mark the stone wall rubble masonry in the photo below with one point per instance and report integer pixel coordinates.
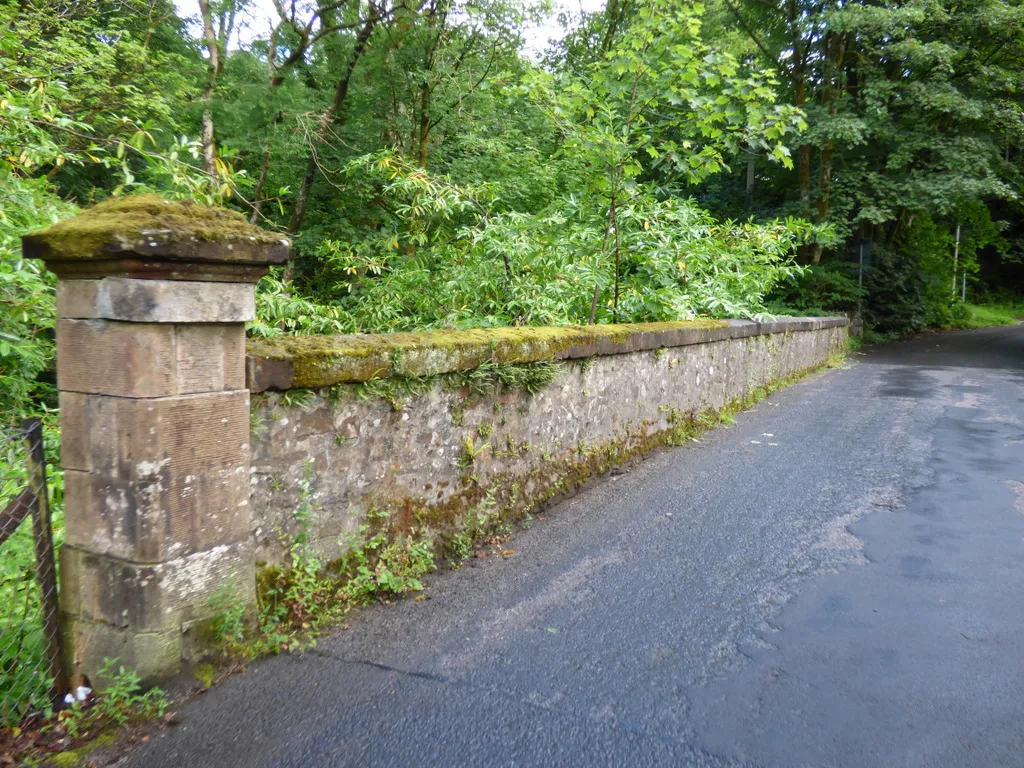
(443, 451)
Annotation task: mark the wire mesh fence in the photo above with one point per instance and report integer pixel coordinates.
(31, 679)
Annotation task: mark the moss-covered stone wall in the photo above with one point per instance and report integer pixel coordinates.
(290, 362)
(408, 427)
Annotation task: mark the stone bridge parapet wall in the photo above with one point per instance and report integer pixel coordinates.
(387, 424)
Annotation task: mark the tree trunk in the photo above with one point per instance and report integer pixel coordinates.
(424, 127)
(750, 182)
(835, 53)
(612, 19)
(320, 135)
(803, 154)
(823, 196)
(261, 182)
(213, 66)
(800, 95)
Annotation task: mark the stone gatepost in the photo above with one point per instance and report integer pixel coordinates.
(152, 299)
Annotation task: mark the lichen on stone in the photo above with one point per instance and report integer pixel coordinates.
(121, 223)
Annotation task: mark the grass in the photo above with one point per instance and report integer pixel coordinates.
(965, 317)
(986, 315)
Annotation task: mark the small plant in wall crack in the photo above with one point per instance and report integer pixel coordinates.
(487, 377)
(297, 398)
(460, 547)
(228, 627)
(482, 516)
(257, 424)
(470, 451)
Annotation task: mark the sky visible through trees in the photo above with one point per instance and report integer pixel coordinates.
(260, 15)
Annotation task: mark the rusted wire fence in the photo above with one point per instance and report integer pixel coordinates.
(31, 679)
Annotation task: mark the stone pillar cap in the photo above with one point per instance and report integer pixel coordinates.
(146, 236)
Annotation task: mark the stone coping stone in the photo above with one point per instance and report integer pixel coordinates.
(312, 362)
(145, 235)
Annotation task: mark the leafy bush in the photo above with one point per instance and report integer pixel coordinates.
(26, 389)
(385, 567)
(897, 294)
(462, 266)
(819, 290)
(26, 298)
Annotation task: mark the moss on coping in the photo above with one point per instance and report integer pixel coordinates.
(322, 361)
(125, 223)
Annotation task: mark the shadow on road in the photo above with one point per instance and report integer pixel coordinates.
(1001, 348)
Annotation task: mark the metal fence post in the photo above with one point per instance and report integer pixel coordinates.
(46, 571)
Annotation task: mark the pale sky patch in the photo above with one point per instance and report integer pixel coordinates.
(259, 18)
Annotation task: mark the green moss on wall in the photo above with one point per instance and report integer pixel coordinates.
(122, 222)
(321, 361)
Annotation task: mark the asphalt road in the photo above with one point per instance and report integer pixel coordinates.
(835, 580)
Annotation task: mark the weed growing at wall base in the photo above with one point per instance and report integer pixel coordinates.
(297, 600)
(70, 736)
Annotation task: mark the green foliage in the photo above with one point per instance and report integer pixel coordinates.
(122, 701)
(279, 311)
(460, 547)
(229, 628)
(991, 314)
(915, 127)
(122, 698)
(26, 299)
(470, 450)
(26, 389)
(674, 261)
(397, 390)
(90, 96)
(819, 290)
(489, 376)
(386, 568)
(898, 290)
(295, 600)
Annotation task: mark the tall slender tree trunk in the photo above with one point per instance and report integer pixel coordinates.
(835, 54)
(824, 200)
(437, 16)
(424, 126)
(261, 183)
(213, 68)
(613, 12)
(803, 154)
(800, 95)
(324, 123)
(749, 192)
